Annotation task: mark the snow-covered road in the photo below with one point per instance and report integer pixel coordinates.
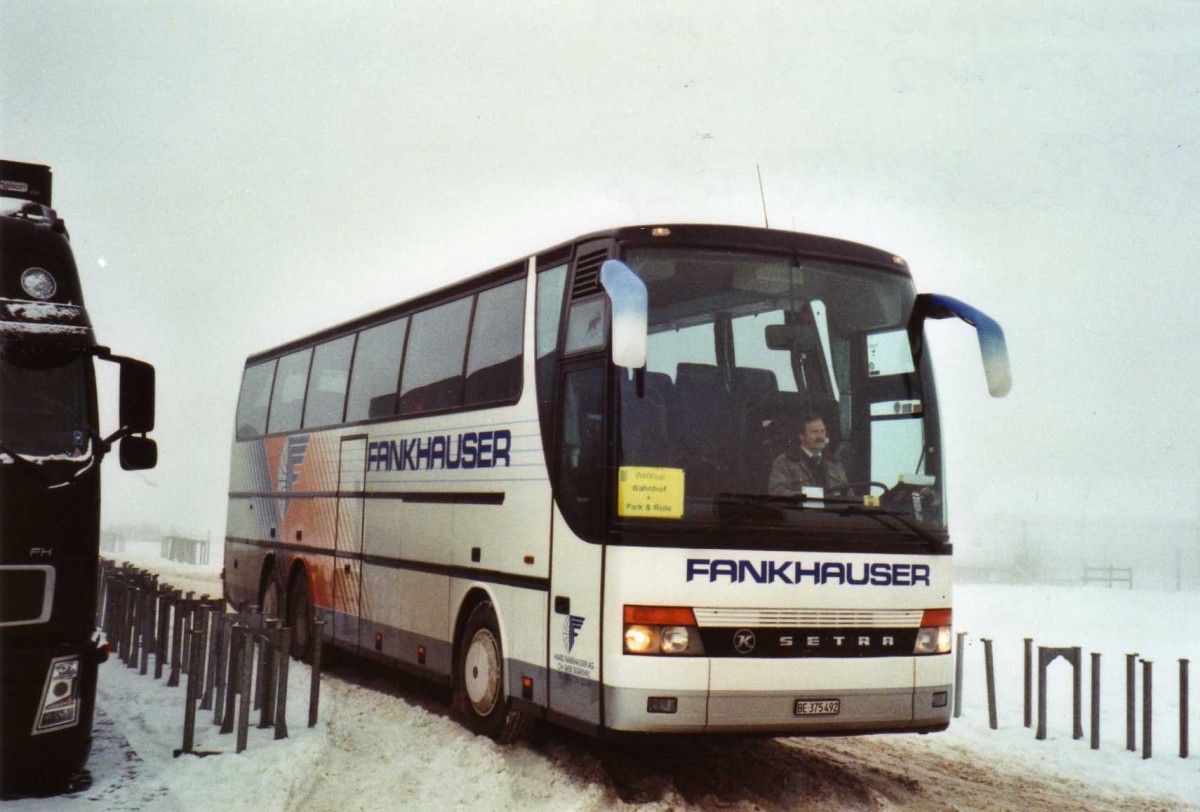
(388, 742)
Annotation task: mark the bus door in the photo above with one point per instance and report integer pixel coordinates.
(348, 541)
(575, 579)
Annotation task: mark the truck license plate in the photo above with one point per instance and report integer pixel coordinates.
(818, 707)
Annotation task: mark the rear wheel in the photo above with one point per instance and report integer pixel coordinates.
(300, 617)
(479, 684)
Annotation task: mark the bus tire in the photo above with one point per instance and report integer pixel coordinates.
(300, 617)
(479, 685)
(272, 599)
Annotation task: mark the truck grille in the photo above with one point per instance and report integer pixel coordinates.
(26, 594)
(811, 618)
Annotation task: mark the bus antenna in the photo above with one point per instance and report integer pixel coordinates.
(762, 195)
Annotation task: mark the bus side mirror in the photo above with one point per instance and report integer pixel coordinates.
(138, 453)
(630, 313)
(137, 396)
(992, 346)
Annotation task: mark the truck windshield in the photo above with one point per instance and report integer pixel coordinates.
(45, 409)
(776, 392)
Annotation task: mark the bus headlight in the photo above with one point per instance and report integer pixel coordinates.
(641, 639)
(935, 635)
(661, 630)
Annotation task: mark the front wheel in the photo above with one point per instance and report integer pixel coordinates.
(479, 684)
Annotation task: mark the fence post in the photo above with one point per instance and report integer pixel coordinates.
(176, 637)
(212, 623)
(243, 722)
(135, 624)
(1130, 702)
(160, 641)
(1147, 702)
(189, 604)
(266, 668)
(1183, 708)
(237, 636)
(195, 642)
(1028, 682)
(219, 665)
(1095, 700)
(285, 639)
(991, 682)
(1077, 695)
(147, 625)
(314, 693)
(958, 675)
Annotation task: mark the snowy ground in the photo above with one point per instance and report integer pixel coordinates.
(384, 742)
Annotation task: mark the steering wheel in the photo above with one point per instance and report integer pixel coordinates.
(850, 486)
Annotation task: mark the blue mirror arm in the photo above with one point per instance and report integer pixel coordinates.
(992, 346)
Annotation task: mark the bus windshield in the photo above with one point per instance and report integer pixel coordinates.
(45, 411)
(777, 392)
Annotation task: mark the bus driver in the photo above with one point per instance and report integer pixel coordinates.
(806, 465)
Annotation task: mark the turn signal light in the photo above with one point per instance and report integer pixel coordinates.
(935, 635)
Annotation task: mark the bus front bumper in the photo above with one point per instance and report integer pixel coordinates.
(798, 697)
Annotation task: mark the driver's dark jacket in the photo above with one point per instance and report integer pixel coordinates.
(794, 470)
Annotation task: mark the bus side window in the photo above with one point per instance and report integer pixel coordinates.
(433, 367)
(254, 400)
(494, 361)
(327, 382)
(376, 372)
(287, 399)
(551, 285)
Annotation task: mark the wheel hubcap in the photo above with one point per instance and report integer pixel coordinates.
(482, 672)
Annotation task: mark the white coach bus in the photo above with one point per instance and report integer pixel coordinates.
(578, 487)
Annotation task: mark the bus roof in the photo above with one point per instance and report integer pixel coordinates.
(809, 246)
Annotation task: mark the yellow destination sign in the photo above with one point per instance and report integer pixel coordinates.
(650, 493)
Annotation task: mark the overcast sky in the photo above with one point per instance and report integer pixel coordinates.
(235, 175)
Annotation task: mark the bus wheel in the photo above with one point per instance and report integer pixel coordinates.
(271, 599)
(479, 687)
(300, 617)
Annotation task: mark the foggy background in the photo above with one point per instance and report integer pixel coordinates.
(237, 175)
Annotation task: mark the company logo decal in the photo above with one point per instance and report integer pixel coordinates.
(743, 641)
(572, 624)
(846, 573)
(472, 449)
(291, 462)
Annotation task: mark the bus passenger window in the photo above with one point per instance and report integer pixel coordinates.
(327, 382)
(254, 400)
(432, 377)
(287, 399)
(494, 362)
(376, 371)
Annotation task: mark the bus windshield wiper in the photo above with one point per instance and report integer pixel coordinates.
(747, 502)
(878, 515)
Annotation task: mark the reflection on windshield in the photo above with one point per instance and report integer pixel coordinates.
(44, 403)
(770, 380)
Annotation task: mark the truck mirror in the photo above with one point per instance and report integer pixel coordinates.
(137, 396)
(138, 453)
